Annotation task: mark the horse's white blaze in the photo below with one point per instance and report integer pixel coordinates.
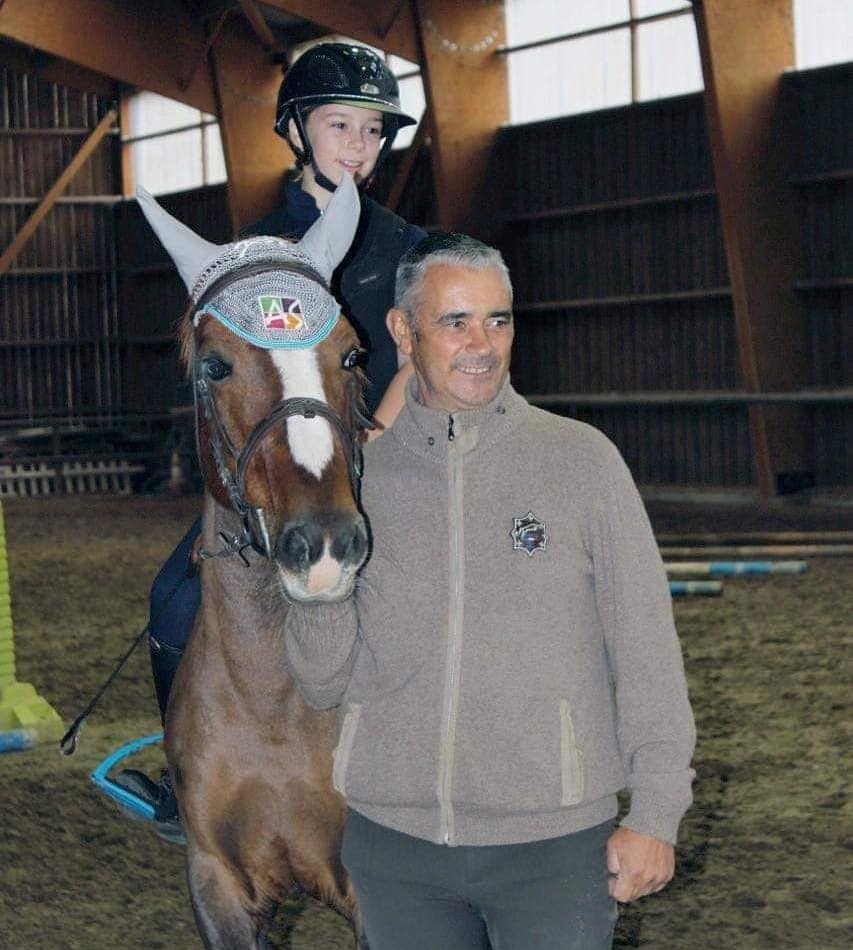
(311, 440)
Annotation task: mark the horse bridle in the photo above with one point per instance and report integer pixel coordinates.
(254, 529)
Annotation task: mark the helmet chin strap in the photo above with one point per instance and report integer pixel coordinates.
(319, 177)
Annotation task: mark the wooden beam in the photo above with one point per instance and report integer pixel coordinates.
(465, 82)
(404, 172)
(145, 43)
(61, 183)
(745, 46)
(128, 177)
(367, 21)
(52, 69)
(201, 56)
(246, 82)
(261, 28)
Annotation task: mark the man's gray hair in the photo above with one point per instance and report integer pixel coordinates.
(441, 248)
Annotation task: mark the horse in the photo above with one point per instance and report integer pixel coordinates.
(278, 437)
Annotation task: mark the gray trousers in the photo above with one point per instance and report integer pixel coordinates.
(416, 895)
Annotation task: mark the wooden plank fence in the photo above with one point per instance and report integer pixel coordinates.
(36, 479)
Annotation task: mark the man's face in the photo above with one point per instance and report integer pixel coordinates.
(463, 337)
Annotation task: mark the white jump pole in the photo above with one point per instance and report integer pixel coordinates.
(733, 568)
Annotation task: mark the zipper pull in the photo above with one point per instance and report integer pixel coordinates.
(450, 434)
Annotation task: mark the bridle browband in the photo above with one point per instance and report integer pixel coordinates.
(255, 533)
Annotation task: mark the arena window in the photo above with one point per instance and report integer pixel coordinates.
(157, 130)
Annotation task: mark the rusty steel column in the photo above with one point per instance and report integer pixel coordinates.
(745, 46)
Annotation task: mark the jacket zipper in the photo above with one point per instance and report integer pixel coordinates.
(455, 457)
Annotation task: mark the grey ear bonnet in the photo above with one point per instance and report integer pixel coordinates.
(274, 309)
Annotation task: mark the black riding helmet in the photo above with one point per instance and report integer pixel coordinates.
(338, 72)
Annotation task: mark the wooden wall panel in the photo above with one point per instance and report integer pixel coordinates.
(608, 212)
(612, 218)
(677, 346)
(153, 297)
(644, 250)
(679, 445)
(820, 103)
(651, 149)
(58, 342)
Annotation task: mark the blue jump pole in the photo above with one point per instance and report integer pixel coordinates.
(16, 740)
(708, 588)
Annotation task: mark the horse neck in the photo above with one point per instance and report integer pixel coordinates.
(242, 609)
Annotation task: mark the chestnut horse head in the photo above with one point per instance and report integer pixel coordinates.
(277, 387)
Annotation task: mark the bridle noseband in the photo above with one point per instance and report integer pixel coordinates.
(255, 533)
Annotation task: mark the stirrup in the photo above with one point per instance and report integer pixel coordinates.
(161, 797)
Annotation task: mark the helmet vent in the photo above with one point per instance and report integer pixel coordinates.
(327, 72)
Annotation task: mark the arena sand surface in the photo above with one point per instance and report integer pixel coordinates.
(764, 855)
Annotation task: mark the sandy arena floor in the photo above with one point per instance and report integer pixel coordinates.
(764, 857)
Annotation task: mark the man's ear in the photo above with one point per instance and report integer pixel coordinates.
(398, 326)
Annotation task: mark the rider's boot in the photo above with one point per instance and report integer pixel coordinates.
(160, 794)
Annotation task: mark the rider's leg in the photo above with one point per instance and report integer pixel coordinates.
(174, 601)
(164, 664)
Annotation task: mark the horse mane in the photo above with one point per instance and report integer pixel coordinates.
(185, 337)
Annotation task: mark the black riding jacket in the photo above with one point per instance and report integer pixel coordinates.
(364, 282)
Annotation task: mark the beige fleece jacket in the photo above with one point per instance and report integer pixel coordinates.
(509, 660)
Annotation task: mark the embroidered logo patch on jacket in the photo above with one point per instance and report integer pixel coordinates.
(528, 534)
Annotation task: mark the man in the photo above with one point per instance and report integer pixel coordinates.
(509, 661)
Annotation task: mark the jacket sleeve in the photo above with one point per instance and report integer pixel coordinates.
(321, 642)
(654, 721)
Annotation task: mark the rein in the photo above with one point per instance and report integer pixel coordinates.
(254, 532)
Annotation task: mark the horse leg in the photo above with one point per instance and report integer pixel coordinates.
(218, 901)
(360, 938)
(356, 918)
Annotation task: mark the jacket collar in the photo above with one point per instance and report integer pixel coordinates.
(300, 205)
(427, 431)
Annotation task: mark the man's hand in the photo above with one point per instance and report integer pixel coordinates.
(639, 864)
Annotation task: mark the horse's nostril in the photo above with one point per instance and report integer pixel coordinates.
(300, 547)
(295, 547)
(350, 544)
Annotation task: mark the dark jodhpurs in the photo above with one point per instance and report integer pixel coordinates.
(174, 601)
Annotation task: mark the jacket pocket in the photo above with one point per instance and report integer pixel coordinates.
(343, 750)
(571, 758)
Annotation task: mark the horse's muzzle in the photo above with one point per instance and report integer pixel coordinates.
(318, 559)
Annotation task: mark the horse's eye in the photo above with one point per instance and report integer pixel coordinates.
(215, 369)
(355, 357)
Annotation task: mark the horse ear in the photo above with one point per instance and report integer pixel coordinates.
(189, 251)
(327, 241)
